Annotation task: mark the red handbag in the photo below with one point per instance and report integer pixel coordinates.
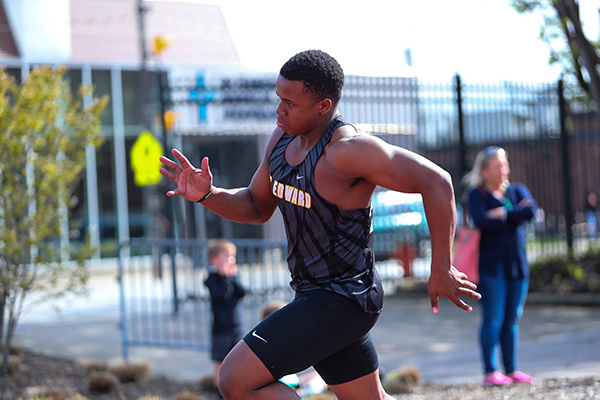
(465, 256)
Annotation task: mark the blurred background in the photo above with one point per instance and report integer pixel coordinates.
(443, 79)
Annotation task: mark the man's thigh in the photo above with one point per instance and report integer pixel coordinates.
(315, 326)
(244, 368)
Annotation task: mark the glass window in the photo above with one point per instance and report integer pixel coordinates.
(73, 76)
(16, 72)
(102, 86)
(105, 163)
(233, 162)
(140, 98)
(138, 220)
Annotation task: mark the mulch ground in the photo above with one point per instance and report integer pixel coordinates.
(66, 375)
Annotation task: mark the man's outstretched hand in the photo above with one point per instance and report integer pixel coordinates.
(192, 183)
(451, 285)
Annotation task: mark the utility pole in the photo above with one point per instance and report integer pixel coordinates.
(141, 11)
(146, 110)
(155, 205)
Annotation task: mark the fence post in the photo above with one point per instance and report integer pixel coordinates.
(164, 97)
(122, 308)
(462, 147)
(564, 151)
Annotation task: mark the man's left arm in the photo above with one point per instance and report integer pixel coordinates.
(401, 170)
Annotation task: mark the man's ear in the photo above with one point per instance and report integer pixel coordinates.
(325, 106)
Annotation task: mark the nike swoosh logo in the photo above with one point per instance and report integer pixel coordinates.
(258, 337)
(299, 177)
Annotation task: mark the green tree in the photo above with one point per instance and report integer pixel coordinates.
(44, 130)
(563, 31)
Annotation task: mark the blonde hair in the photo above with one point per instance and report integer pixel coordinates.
(217, 246)
(271, 307)
(474, 177)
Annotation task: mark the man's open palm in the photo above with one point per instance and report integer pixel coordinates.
(192, 183)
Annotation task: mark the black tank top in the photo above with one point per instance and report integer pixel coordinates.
(327, 248)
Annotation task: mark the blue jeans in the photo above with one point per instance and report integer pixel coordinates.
(502, 302)
(590, 217)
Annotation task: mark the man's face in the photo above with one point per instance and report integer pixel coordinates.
(298, 110)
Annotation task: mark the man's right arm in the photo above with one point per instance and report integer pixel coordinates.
(251, 205)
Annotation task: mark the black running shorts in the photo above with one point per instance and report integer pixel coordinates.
(321, 329)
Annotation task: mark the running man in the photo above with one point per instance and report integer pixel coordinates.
(321, 173)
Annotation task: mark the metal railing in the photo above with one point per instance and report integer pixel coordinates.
(552, 143)
(164, 302)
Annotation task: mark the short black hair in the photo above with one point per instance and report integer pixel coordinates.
(318, 71)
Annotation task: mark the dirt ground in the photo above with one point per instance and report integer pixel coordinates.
(39, 370)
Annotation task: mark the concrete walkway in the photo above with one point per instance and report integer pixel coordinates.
(556, 340)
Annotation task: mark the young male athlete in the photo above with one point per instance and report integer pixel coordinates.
(321, 174)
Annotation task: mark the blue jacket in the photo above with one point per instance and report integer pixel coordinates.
(502, 242)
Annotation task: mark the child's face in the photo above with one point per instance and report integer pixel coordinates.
(225, 263)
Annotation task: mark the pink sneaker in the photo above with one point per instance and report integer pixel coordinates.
(520, 377)
(497, 379)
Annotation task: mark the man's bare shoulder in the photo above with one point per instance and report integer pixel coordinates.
(347, 142)
(273, 139)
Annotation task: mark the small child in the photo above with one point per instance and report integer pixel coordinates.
(225, 293)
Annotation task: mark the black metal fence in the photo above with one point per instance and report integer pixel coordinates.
(552, 150)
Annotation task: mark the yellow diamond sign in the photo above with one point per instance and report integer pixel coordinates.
(145, 163)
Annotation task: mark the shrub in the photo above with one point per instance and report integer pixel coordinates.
(563, 274)
(14, 364)
(131, 372)
(321, 396)
(402, 380)
(207, 384)
(187, 395)
(14, 350)
(102, 382)
(90, 366)
(45, 130)
(49, 393)
(78, 397)
(590, 263)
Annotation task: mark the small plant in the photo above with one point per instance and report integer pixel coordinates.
(563, 274)
(102, 382)
(187, 395)
(402, 380)
(44, 132)
(49, 393)
(14, 364)
(78, 397)
(90, 366)
(207, 384)
(131, 372)
(320, 396)
(16, 350)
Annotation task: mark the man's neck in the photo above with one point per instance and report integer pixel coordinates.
(310, 138)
